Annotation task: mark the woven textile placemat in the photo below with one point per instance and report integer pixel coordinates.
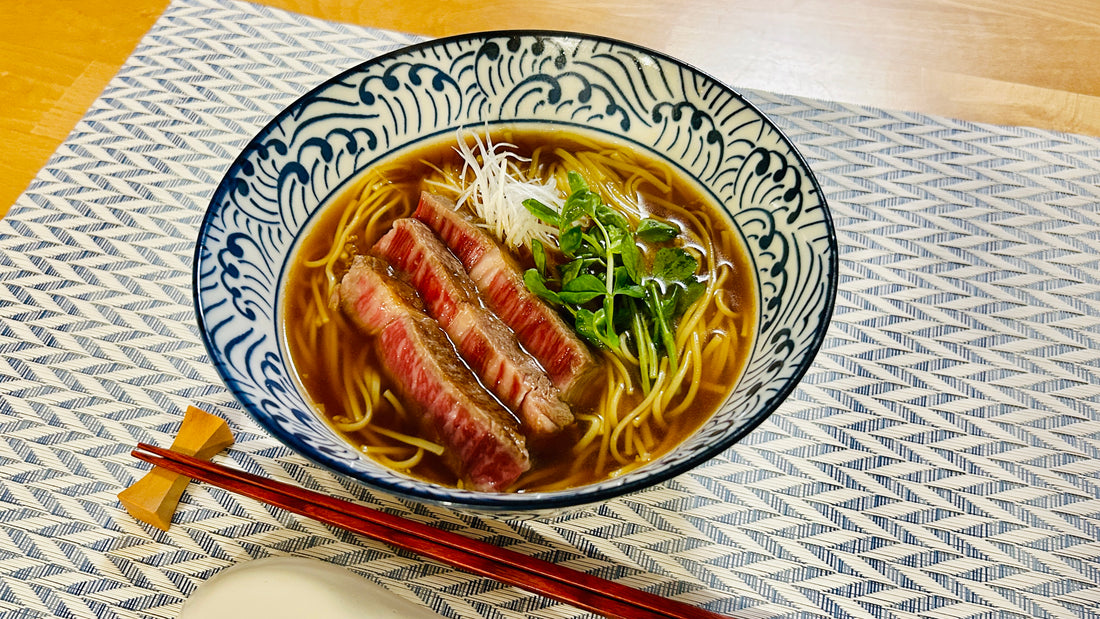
(941, 459)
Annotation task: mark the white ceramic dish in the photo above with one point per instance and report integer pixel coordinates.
(293, 588)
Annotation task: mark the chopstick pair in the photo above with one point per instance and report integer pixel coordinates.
(560, 583)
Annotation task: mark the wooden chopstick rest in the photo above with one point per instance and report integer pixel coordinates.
(153, 498)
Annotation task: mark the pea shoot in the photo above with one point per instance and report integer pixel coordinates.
(618, 299)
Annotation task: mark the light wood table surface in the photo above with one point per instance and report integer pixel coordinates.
(1020, 62)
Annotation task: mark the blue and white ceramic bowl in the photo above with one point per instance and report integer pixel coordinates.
(310, 152)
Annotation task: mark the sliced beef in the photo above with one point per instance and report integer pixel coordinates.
(483, 341)
(372, 298)
(437, 275)
(538, 327)
(482, 439)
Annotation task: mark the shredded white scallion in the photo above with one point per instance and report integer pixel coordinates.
(495, 189)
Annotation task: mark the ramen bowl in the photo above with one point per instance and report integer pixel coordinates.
(317, 147)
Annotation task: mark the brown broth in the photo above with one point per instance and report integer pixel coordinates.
(552, 459)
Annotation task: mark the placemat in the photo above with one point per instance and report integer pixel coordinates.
(941, 459)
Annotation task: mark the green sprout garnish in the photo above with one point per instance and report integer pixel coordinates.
(617, 301)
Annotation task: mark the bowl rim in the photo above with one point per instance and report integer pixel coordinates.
(496, 502)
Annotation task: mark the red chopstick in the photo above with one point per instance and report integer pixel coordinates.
(560, 583)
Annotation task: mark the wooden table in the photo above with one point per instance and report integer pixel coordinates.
(1001, 61)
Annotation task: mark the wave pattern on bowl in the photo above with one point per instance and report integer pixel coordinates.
(311, 152)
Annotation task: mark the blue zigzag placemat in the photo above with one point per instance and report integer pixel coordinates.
(940, 460)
